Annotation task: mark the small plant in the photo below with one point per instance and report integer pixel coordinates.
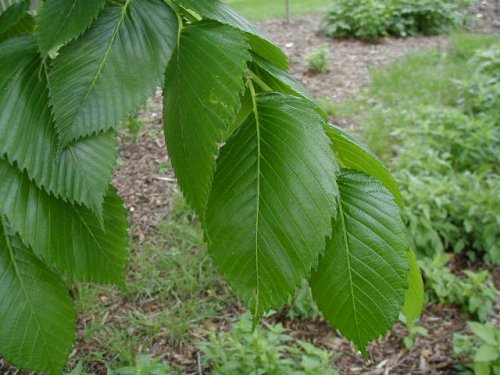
(133, 125)
(265, 350)
(145, 365)
(448, 170)
(483, 348)
(414, 330)
(318, 60)
(475, 292)
(302, 305)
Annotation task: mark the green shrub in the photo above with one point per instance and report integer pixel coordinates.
(456, 212)
(371, 19)
(481, 93)
(318, 60)
(357, 18)
(448, 172)
(483, 348)
(451, 138)
(475, 292)
(265, 350)
(426, 17)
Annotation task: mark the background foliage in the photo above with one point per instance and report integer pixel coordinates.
(372, 19)
(279, 200)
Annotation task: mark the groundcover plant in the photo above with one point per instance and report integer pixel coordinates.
(282, 194)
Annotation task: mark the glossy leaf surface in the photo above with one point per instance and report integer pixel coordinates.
(361, 280)
(272, 201)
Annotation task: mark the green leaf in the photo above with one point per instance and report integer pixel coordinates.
(223, 13)
(25, 25)
(37, 315)
(5, 4)
(361, 280)
(100, 78)
(61, 21)
(414, 297)
(485, 332)
(13, 15)
(352, 154)
(272, 201)
(205, 80)
(487, 353)
(69, 238)
(79, 173)
(482, 368)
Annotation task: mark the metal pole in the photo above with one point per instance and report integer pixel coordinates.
(288, 11)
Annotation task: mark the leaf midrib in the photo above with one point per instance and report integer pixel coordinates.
(105, 57)
(257, 212)
(23, 287)
(348, 249)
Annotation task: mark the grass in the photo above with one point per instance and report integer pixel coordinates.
(174, 295)
(263, 9)
(173, 291)
(420, 80)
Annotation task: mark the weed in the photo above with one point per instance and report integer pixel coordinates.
(483, 348)
(302, 305)
(265, 350)
(133, 126)
(318, 60)
(475, 292)
(414, 330)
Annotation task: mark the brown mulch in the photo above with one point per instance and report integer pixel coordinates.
(428, 355)
(350, 59)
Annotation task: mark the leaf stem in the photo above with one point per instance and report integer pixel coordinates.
(257, 123)
(254, 77)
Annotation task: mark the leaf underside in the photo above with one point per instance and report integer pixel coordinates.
(352, 154)
(68, 237)
(278, 79)
(37, 315)
(205, 80)
(100, 78)
(414, 297)
(272, 201)
(361, 280)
